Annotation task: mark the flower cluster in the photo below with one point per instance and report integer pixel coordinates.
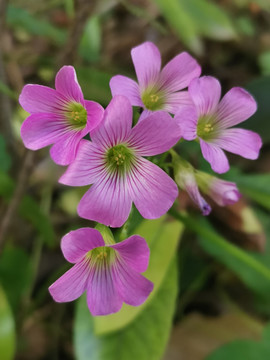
(176, 103)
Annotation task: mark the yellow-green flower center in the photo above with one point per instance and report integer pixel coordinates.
(153, 100)
(101, 255)
(119, 158)
(76, 115)
(205, 128)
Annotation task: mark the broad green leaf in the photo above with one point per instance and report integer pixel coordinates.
(162, 236)
(249, 266)
(7, 329)
(18, 17)
(244, 349)
(260, 89)
(15, 273)
(95, 84)
(5, 160)
(28, 209)
(144, 338)
(264, 62)
(181, 22)
(90, 44)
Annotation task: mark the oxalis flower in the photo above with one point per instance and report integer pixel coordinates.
(193, 181)
(109, 273)
(156, 89)
(210, 121)
(113, 163)
(61, 117)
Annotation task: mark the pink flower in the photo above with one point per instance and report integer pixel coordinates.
(211, 121)
(61, 117)
(221, 191)
(113, 163)
(156, 89)
(109, 273)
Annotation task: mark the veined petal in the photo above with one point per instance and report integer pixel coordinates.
(135, 252)
(187, 120)
(41, 99)
(205, 93)
(95, 114)
(235, 107)
(133, 288)
(40, 130)
(77, 243)
(215, 156)
(122, 85)
(151, 189)
(102, 295)
(64, 151)
(107, 201)
(147, 62)
(145, 114)
(154, 135)
(242, 142)
(116, 124)
(66, 83)
(87, 167)
(175, 101)
(179, 72)
(72, 284)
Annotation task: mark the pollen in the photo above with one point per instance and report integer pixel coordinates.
(153, 100)
(206, 127)
(119, 158)
(76, 115)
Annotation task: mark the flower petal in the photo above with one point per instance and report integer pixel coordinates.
(95, 114)
(145, 114)
(107, 201)
(63, 152)
(102, 295)
(77, 243)
(116, 124)
(235, 107)
(187, 120)
(66, 83)
(135, 252)
(40, 130)
(87, 167)
(72, 284)
(154, 135)
(193, 191)
(215, 156)
(147, 62)
(122, 85)
(179, 72)
(151, 189)
(133, 288)
(40, 99)
(175, 101)
(242, 142)
(205, 93)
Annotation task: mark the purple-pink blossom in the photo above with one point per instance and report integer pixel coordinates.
(157, 89)
(113, 162)
(109, 273)
(211, 120)
(61, 117)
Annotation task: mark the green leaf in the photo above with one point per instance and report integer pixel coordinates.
(95, 84)
(28, 209)
(244, 349)
(260, 89)
(145, 338)
(5, 160)
(90, 44)
(191, 19)
(181, 22)
(17, 17)
(250, 267)
(7, 329)
(15, 273)
(162, 236)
